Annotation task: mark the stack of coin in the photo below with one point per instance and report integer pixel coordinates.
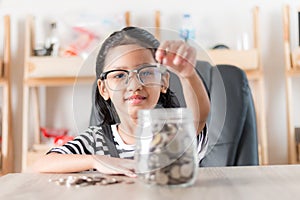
(171, 158)
(75, 181)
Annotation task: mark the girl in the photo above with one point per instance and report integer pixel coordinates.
(130, 77)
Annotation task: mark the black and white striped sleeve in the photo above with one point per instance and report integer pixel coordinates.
(85, 143)
(202, 143)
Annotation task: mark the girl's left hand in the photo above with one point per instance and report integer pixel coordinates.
(178, 56)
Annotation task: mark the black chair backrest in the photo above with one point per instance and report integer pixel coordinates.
(232, 128)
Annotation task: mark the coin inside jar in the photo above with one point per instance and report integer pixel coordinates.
(174, 147)
(161, 178)
(157, 139)
(171, 128)
(186, 170)
(175, 172)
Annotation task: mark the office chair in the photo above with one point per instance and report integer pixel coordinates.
(232, 128)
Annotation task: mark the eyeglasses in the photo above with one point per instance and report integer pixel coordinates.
(147, 74)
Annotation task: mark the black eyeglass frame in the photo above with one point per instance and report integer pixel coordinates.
(162, 69)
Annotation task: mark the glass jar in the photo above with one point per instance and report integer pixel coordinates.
(166, 150)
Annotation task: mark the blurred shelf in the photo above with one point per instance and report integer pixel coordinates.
(45, 71)
(246, 59)
(58, 81)
(48, 66)
(292, 70)
(6, 162)
(3, 81)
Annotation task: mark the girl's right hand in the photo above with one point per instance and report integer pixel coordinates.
(114, 166)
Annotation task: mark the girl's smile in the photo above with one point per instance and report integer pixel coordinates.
(135, 99)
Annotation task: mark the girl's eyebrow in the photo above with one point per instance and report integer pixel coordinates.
(117, 67)
(126, 67)
(114, 67)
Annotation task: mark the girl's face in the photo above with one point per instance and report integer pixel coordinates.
(134, 96)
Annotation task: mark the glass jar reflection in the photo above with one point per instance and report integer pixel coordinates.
(166, 152)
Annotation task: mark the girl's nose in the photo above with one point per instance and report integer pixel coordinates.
(133, 83)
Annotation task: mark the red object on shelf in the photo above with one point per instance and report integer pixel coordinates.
(52, 132)
(60, 135)
(84, 40)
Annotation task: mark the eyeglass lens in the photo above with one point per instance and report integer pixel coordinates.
(147, 76)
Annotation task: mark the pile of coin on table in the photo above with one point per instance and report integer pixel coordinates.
(80, 181)
(171, 157)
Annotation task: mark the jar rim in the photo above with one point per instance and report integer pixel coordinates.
(165, 113)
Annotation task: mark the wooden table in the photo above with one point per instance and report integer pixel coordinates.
(262, 182)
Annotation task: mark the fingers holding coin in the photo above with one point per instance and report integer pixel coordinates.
(178, 55)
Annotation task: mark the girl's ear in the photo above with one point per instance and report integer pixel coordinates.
(102, 90)
(165, 82)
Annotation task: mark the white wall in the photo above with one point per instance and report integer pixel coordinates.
(215, 20)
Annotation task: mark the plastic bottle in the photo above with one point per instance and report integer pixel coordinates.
(52, 43)
(187, 30)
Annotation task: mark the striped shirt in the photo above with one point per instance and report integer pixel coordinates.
(92, 142)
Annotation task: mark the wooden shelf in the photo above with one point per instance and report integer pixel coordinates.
(3, 77)
(1, 67)
(3, 81)
(56, 71)
(59, 81)
(6, 163)
(253, 75)
(47, 67)
(246, 59)
(295, 58)
(46, 71)
(292, 70)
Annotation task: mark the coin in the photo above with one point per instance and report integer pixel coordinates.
(174, 147)
(161, 178)
(73, 181)
(60, 181)
(186, 170)
(157, 138)
(171, 128)
(175, 172)
(129, 181)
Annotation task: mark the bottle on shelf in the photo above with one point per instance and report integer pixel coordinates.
(52, 41)
(187, 30)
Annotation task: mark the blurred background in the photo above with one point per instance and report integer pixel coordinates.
(214, 22)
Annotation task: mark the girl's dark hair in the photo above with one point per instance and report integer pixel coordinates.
(128, 35)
